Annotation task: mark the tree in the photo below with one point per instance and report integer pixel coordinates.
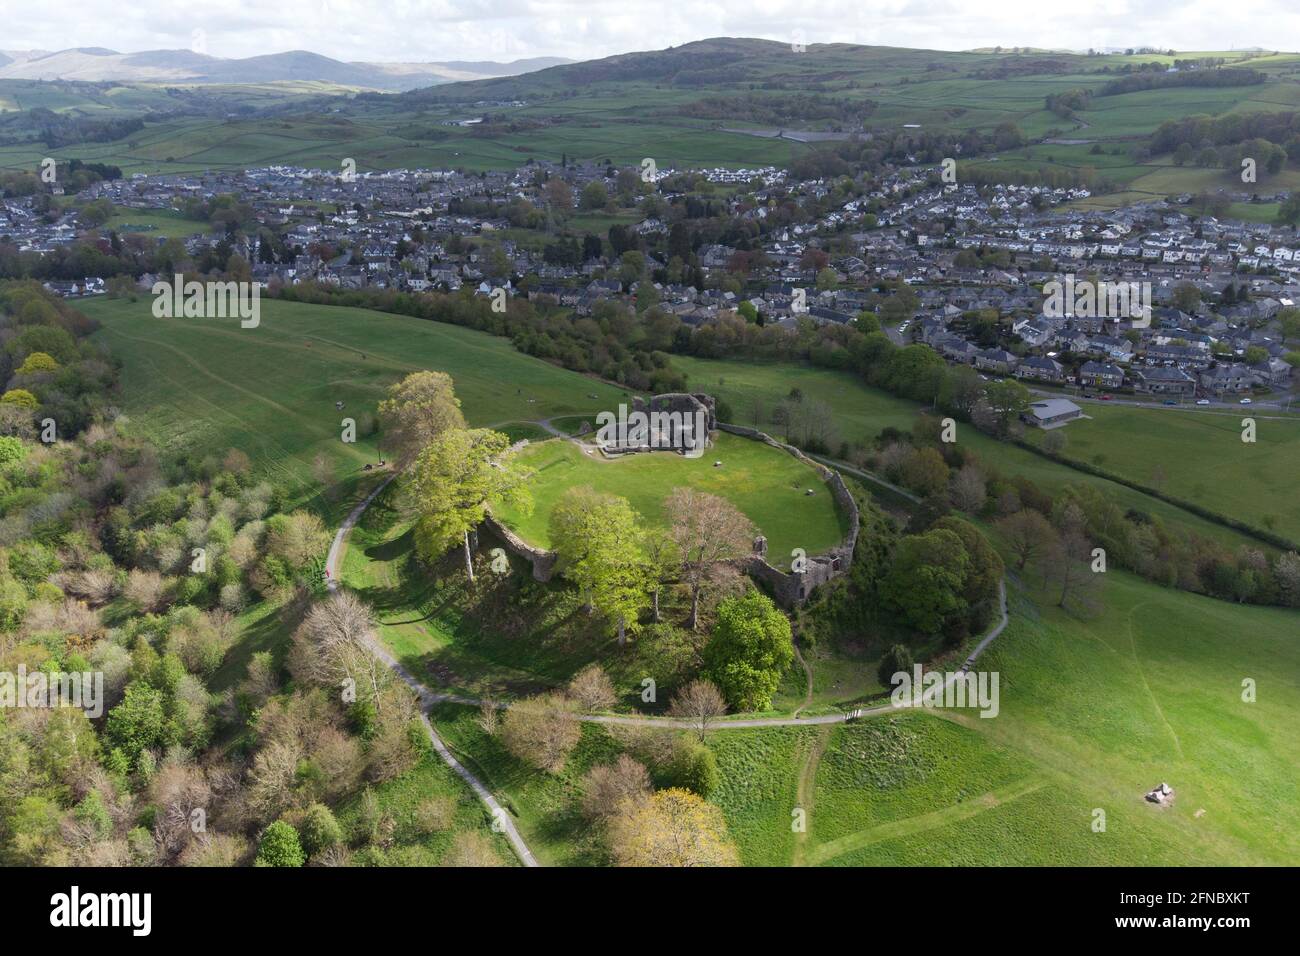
(418, 409)
(692, 766)
(1006, 399)
(280, 846)
(338, 632)
(592, 689)
(925, 472)
(605, 787)
(138, 723)
(296, 538)
(559, 196)
(1186, 297)
(20, 398)
(594, 196)
(38, 362)
(661, 563)
(897, 660)
(705, 529)
(969, 491)
(452, 482)
(699, 702)
(598, 540)
(542, 730)
(1067, 568)
(751, 647)
(673, 827)
(983, 576)
(1027, 533)
(926, 579)
(319, 829)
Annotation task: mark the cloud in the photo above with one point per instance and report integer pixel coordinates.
(423, 30)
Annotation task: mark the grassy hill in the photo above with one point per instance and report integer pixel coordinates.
(202, 386)
(693, 105)
(1093, 714)
(767, 484)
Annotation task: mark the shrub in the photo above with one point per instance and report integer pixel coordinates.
(692, 766)
(280, 846)
(319, 829)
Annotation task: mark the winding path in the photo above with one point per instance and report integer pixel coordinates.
(500, 816)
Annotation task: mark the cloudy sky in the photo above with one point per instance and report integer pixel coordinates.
(416, 30)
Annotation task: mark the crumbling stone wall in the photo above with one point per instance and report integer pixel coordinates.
(543, 561)
(790, 589)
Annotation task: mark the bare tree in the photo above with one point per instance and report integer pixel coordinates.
(592, 689)
(489, 716)
(1067, 568)
(701, 703)
(1027, 534)
(338, 631)
(705, 529)
(542, 730)
(969, 491)
(607, 786)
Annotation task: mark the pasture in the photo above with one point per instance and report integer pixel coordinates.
(202, 386)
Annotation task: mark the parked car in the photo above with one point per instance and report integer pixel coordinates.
(1107, 397)
(1202, 401)
(1246, 401)
(1170, 401)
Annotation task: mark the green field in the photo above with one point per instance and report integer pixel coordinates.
(860, 412)
(1198, 457)
(199, 386)
(1092, 715)
(598, 111)
(769, 485)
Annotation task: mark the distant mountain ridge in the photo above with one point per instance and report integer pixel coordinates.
(98, 65)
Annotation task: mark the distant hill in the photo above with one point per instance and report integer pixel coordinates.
(97, 65)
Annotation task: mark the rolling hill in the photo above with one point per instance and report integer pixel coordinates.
(99, 65)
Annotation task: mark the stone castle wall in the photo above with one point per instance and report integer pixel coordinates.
(789, 589)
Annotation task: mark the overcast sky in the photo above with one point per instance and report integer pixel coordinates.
(424, 30)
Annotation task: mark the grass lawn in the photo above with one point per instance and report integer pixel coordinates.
(767, 484)
(201, 386)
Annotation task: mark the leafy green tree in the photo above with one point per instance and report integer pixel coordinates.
(138, 722)
(280, 846)
(418, 409)
(594, 196)
(692, 766)
(984, 575)
(21, 398)
(926, 581)
(452, 483)
(319, 829)
(749, 650)
(1007, 399)
(600, 546)
(895, 660)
